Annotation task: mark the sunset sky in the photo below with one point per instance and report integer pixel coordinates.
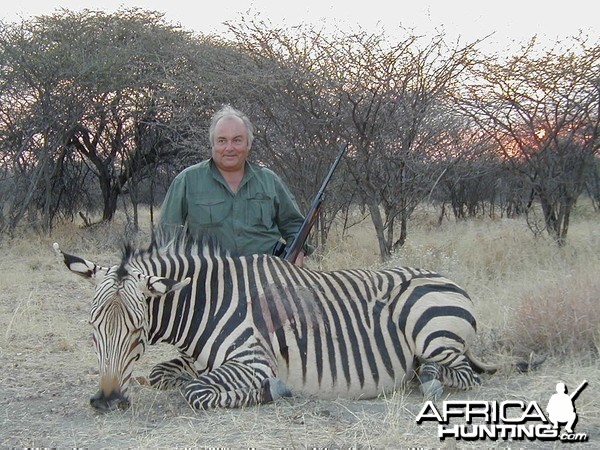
(512, 21)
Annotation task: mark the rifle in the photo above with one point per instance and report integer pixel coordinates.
(578, 390)
(290, 252)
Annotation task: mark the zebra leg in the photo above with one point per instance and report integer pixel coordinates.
(429, 378)
(459, 374)
(449, 367)
(174, 373)
(234, 385)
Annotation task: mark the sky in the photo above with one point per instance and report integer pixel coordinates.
(511, 21)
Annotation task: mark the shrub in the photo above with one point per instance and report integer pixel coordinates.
(560, 319)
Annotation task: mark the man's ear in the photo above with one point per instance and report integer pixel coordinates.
(153, 286)
(82, 267)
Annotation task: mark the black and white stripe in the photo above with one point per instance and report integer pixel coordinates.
(243, 325)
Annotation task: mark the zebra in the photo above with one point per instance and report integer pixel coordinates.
(251, 329)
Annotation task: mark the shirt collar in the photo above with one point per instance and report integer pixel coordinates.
(249, 171)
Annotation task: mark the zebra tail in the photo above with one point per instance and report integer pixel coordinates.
(479, 366)
(521, 366)
(529, 365)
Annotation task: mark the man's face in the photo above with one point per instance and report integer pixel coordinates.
(230, 144)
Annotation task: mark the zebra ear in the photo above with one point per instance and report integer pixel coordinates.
(154, 286)
(82, 267)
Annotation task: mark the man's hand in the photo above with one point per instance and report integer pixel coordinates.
(300, 259)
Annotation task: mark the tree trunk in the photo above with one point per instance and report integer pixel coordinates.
(110, 196)
(384, 251)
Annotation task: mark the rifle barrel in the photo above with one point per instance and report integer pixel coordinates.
(579, 389)
(295, 247)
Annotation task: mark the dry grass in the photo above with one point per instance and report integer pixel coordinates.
(529, 295)
(561, 318)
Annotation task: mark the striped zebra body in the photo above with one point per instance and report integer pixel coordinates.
(353, 333)
(243, 325)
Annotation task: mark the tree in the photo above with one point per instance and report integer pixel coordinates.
(289, 94)
(90, 95)
(542, 110)
(386, 99)
(592, 183)
(471, 176)
(399, 120)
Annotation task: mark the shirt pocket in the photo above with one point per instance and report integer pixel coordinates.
(209, 212)
(261, 212)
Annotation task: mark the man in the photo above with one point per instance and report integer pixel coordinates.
(246, 208)
(561, 409)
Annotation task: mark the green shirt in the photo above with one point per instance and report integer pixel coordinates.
(250, 221)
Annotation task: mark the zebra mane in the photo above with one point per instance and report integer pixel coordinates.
(170, 240)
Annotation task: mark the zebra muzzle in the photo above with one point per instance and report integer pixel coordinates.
(105, 403)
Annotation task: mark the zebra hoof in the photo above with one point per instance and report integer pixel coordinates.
(432, 390)
(276, 389)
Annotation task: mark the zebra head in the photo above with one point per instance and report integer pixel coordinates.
(119, 319)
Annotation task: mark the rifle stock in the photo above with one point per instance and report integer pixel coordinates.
(293, 250)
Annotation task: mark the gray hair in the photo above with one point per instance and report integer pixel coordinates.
(228, 111)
